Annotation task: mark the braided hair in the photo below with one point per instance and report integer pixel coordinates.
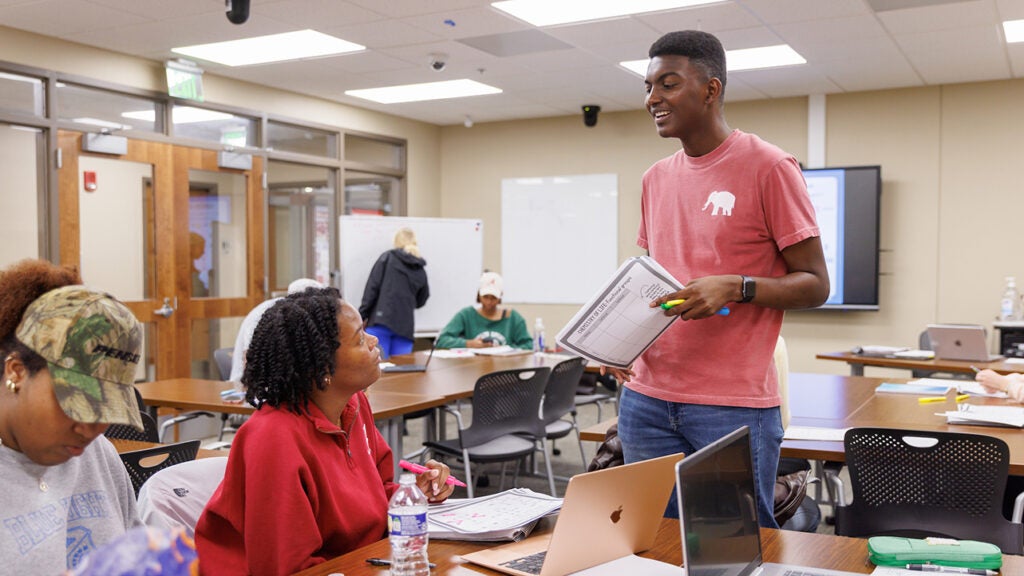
(20, 285)
(293, 349)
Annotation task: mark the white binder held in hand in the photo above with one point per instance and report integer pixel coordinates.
(618, 324)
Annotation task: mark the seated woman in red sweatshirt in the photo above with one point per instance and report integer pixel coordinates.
(309, 476)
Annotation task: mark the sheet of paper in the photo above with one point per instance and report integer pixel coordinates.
(815, 433)
(891, 571)
(500, 351)
(453, 353)
(503, 511)
(618, 324)
(633, 564)
(948, 384)
(1012, 416)
(976, 389)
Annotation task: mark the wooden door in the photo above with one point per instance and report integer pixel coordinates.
(131, 235)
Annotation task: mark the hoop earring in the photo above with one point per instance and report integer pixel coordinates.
(11, 385)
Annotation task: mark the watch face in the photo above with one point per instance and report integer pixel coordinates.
(749, 288)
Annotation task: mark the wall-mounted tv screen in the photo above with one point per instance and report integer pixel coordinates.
(847, 203)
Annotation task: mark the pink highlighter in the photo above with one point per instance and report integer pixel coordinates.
(420, 469)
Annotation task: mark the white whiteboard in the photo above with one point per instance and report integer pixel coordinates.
(453, 249)
(559, 237)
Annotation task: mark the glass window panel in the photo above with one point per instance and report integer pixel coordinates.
(217, 221)
(21, 153)
(109, 110)
(301, 140)
(117, 258)
(213, 126)
(371, 194)
(22, 94)
(209, 334)
(376, 152)
(301, 223)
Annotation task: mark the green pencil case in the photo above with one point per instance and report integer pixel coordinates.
(895, 551)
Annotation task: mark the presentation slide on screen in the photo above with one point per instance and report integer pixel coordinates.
(827, 188)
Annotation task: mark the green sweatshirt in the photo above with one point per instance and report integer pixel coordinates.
(468, 324)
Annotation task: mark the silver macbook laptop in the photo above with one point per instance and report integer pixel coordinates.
(960, 342)
(606, 515)
(718, 513)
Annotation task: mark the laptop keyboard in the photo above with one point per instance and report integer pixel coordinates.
(530, 564)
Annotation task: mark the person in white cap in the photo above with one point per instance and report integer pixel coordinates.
(69, 359)
(487, 324)
(252, 319)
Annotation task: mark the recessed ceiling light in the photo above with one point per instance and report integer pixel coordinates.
(272, 48)
(181, 115)
(548, 13)
(736, 60)
(425, 91)
(1014, 30)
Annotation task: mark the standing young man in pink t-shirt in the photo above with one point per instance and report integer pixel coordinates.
(729, 216)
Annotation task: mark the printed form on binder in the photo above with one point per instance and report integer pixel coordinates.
(618, 324)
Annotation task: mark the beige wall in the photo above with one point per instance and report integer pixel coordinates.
(949, 158)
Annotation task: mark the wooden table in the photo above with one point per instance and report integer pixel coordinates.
(802, 548)
(195, 394)
(123, 446)
(834, 401)
(858, 362)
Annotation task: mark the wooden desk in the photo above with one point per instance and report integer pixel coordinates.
(132, 445)
(196, 394)
(858, 362)
(596, 432)
(802, 548)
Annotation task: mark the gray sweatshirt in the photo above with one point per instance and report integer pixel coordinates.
(87, 502)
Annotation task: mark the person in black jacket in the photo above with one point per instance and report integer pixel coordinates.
(397, 286)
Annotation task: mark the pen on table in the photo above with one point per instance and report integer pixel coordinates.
(962, 397)
(672, 303)
(419, 469)
(951, 569)
(930, 399)
(384, 562)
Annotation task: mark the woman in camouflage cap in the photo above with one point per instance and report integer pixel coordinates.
(69, 356)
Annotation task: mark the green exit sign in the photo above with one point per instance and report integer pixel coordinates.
(184, 80)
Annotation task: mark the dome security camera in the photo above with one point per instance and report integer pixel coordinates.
(438, 61)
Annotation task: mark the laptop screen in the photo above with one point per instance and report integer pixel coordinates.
(718, 508)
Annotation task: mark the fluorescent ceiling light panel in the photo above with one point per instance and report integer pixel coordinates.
(180, 115)
(102, 123)
(548, 13)
(1014, 30)
(425, 91)
(273, 48)
(736, 60)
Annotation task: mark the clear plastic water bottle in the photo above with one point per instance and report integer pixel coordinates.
(538, 335)
(1009, 305)
(407, 522)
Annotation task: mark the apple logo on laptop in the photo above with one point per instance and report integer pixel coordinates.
(957, 343)
(616, 514)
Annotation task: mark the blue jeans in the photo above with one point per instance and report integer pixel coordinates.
(389, 342)
(650, 428)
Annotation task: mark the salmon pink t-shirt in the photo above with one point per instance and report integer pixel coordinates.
(731, 211)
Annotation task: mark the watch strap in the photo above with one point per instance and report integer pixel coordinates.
(748, 288)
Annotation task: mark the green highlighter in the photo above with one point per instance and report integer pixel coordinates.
(672, 303)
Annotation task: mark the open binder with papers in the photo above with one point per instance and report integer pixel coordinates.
(508, 515)
(618, 324)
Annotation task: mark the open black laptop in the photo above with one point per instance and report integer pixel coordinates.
(411, 367)
(718, 513)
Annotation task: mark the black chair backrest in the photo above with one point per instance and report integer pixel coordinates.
(560, 394)
(915, 484)
(149, 433)
(222, 357)
(142, 464)
(506, 402)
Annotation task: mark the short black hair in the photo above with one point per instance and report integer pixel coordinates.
(293, 349)
(704, 51)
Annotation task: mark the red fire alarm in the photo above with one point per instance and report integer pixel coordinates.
(89, 181)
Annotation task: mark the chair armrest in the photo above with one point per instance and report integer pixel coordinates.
(458, 415)
(1018, 508)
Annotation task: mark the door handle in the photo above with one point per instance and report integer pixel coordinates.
(166, 310)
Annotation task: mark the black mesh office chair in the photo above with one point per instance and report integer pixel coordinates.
(141, 464)
(149, 432)
(506, 422)
(916, 484)
(559, 408)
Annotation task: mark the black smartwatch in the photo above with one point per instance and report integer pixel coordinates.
(748, 289)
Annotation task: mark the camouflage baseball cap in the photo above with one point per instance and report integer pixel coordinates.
(91, 342)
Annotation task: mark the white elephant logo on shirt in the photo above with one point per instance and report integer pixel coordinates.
(723, 202)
